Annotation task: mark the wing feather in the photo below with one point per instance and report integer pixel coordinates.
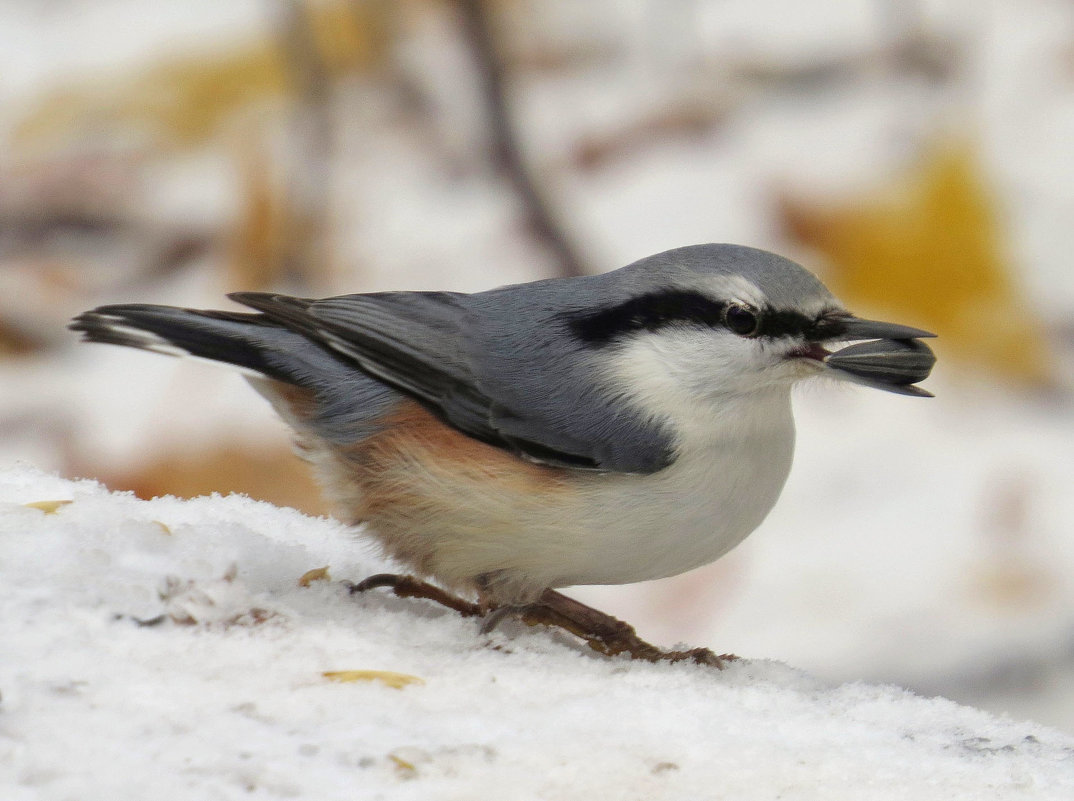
(431, 346)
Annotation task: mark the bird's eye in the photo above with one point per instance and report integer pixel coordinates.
(741, 319)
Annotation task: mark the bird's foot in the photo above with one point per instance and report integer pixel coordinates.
(410, 587)
(608, 634)
(601, 631)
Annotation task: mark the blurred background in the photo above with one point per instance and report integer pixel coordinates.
(914, 154)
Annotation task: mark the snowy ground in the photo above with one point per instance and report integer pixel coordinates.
(227, 697)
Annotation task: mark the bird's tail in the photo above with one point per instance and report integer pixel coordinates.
(249, 341)
(347, 402)
(237, 339)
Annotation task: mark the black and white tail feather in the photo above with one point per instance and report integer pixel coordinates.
(242, 340)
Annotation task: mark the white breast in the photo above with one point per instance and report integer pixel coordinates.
(721, 487)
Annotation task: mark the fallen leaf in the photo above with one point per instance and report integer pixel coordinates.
(317, 574)
(48, 507)
(395, 680)
(406, 770)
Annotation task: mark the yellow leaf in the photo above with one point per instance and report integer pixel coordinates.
(395, 680)
(927, 250)
(406, 770)
(317, 574)
(48, 507)
(185, 98)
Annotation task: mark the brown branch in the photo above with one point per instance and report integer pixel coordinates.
(308, 181)
(505, 148)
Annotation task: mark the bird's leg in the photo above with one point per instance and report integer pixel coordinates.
(496, 614)
(601, 631)
(607, 634)
(410, 587)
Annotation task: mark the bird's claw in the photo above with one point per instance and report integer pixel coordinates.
(410, 587)
(602, 632)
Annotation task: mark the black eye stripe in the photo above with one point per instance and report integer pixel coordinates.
(783, 323)
(658, 310)
(649, 312)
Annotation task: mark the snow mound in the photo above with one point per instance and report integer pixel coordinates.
(170, 649)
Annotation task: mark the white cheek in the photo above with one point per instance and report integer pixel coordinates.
(683, 375)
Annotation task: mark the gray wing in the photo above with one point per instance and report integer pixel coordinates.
(494, 365)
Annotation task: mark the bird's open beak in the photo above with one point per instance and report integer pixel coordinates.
(891, 358)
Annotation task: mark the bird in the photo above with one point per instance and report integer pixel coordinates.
(596, 429)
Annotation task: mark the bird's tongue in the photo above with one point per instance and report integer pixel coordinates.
(812, 351)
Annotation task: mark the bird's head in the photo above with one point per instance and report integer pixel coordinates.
(715, 322)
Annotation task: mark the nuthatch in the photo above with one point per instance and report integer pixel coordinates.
(602, 429)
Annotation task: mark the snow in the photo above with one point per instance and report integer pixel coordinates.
(227, 697)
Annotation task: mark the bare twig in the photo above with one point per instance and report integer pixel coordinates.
(308, 182)
(505, 146)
